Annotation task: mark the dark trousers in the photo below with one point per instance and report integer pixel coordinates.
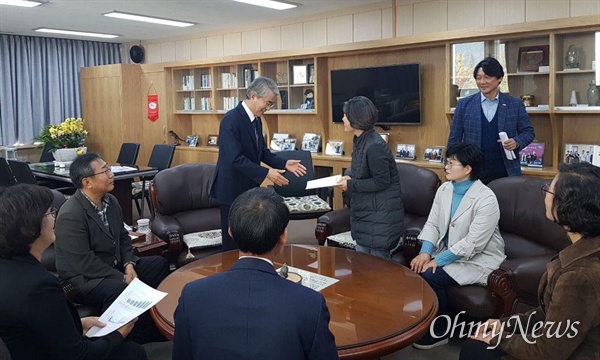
(129, 351)
(439, 281)
(475, 349)
(228, 242)
(152, 270)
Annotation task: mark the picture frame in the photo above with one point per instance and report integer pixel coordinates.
(532, 155)
(573, 153)
(212, 140)
(300, 76)
(311, 142)
(334, 147)
(310, 70)
(289, 144)
(532, 57)
(192, 140)
(406, 151)
(434, 154)
(385, 136)
(277, 141)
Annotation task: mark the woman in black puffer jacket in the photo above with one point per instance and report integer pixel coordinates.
(377, 210)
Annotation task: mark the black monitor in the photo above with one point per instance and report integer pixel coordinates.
(395, 90)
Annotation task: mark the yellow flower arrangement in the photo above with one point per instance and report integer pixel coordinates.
(68, 134)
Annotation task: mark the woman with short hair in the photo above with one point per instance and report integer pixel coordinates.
(568, 318)
(377, 211)
(462, 244)
(36, 319)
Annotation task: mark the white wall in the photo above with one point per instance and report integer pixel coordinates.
(411, 17)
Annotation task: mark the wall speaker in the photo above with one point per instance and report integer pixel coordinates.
(136, 54)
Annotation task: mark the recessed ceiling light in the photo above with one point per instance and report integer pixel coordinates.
(277, 5)
(77, 33)
(21, 3)
(149, 19)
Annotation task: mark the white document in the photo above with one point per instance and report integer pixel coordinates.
(510, 155)
(323, 182)
(120, 169)
(312, 280)
(133, 301)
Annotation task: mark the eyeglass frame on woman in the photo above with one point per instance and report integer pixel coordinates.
(52, 211)
(546, 190)
(451, 165)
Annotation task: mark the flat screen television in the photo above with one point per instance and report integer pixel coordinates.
(395, 90)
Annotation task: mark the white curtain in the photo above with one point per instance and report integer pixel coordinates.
(40, 81)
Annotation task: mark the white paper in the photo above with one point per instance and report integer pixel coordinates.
(312, 280)
(510, 155)
(323, 182)
(120, 169)
(136, 299)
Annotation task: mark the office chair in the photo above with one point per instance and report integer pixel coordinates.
(23, 175)
(6, 175)
(160, 158)
(302, 203)
(128, 154)
(47, 153)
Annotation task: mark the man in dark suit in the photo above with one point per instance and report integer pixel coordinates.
(93, 248)
(241, 150)
(480, 117)
(250, 312)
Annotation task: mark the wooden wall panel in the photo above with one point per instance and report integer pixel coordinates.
(147, 132)
(339, 30)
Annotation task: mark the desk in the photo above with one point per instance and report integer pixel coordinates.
(122, 190)
(378, 307)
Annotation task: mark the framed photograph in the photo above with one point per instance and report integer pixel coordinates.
(532, 57)
(385, 136)
(288, 144)
(300, 76)
(277, 141)
(212, 140)
(310, 70)
(532, 154)
(406, 151)
(334, 147)
(192, 140)
(575, 153)
(311, 142)
(434, 154)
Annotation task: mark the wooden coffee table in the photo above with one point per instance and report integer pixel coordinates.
(378, 307)
(155, 247)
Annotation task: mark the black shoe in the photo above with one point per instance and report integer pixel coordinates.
(429, 342)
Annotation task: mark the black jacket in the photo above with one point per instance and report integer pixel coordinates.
(377, 208)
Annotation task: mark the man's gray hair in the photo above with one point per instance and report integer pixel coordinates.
(261, 86)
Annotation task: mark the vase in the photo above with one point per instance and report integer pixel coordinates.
(68, 154)
(593, 95)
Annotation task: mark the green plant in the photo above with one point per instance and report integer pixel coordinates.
(68, 134)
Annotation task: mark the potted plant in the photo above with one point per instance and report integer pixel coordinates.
(67, 138)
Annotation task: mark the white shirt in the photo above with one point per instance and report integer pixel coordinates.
(250, 114)
(258, 257)
(489, 107)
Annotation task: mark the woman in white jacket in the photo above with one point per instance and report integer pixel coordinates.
(461, 240)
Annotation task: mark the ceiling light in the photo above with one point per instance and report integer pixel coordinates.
(277, 5)
(154, 20)
(77, 33)
(21, 3)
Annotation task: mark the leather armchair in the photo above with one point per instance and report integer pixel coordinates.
(531, 241)
(182, 203)
(419, 186)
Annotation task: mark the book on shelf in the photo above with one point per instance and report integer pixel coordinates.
(283, 94)
(229, 102)
(188, 82)
(205, 103)
(249, 75)
(228, 80)
(206, 81)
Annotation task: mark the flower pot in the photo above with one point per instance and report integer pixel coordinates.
(68, 154)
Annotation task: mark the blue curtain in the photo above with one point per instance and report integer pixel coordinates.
(40, 81)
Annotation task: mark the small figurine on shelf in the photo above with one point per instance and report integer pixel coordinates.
(176, 139)
(593, 95)
(572, 58)
(309, 102)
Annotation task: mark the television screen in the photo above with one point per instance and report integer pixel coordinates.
(395, 90)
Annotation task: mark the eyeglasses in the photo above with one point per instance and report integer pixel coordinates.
(106, 171)
(451, 164)
(53, 211)
(270, 104)
(546, 190)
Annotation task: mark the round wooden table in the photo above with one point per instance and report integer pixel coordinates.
(377, 307)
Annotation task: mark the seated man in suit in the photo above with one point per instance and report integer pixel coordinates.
(250, 312)
(93, 248)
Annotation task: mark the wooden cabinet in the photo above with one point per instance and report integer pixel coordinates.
(556, 123)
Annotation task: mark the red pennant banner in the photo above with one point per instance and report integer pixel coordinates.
(153, 107)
